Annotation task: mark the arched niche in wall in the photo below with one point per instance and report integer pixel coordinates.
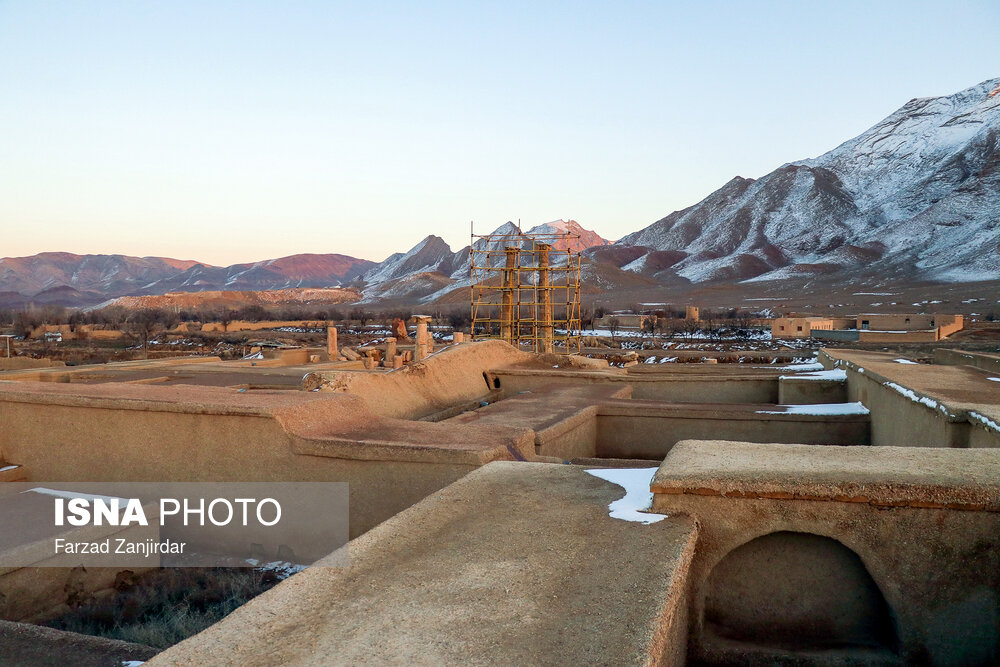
(797, 591)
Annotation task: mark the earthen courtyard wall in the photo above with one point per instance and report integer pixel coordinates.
(80, 443)
(902, 417)
(932, 549)
(725, 387)
(948, 357)
(643, 434)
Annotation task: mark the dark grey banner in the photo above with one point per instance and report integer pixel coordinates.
(173, 524)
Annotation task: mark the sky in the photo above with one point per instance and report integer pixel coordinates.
(239, 131)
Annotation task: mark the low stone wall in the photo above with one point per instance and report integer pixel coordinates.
(102, 334)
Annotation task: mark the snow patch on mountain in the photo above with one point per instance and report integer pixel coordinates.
(915, 193)
(431, 257)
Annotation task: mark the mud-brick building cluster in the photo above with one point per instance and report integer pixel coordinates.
(870, 328)
(509, 507)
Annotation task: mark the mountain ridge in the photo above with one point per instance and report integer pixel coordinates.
(915, 193)
(430, 270)
(69, 279)
(890, 194)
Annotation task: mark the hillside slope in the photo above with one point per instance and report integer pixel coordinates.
(430, 270)
(61, 278)
(917, 193)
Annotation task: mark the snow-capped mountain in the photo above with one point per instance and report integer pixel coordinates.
(432, 255)
(919, 193)
(430, 269)
(588, 239)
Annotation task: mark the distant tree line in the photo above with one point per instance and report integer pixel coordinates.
(149, 319)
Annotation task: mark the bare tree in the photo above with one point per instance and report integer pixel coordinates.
(649, 325)
(361, 315)
(24, 322)
(744, 324)
(586, 317)
(225, 317)
(690, 328)
(614, 324)
(143, 324)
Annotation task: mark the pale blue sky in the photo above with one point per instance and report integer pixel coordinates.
(240, 131)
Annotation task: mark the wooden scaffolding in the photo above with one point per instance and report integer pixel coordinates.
(526, 290)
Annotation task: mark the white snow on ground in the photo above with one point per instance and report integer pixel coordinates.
(819, 409)
(993, 379)
(835, 374)
(753, 335)
(904, 361)
(638, 497)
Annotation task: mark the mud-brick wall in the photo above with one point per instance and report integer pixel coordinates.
(669, 388)
(80, 443)
(901, 421)
(623, 433)
(947, 357)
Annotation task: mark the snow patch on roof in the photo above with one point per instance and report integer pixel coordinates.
(815, 366)
(916, 398)
(819, 409)
(985, 421)
(638, 497)
(836, 374)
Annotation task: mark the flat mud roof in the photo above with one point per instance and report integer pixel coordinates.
(885, 476)
(518, 560)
